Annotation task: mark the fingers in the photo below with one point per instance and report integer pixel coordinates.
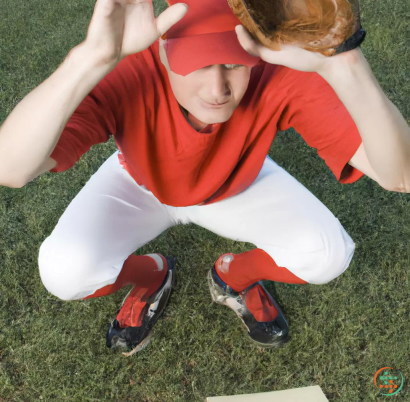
(170, 17)
(247, 42)
(106, 8)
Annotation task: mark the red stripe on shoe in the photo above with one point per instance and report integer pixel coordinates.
(259, 304)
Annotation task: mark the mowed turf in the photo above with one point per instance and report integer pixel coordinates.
(341, 332)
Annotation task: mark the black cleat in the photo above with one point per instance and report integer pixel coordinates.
(271, 334)
(137, 338)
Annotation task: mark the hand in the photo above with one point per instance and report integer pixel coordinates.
(119, 28)
(295, 57)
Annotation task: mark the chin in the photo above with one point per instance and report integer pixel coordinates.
(216, 120)
(215, 117)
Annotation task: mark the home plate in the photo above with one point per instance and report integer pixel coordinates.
(305, 394)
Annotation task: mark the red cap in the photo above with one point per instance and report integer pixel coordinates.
(205, 36)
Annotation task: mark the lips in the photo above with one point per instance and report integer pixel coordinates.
(218, 104)
(214, 104)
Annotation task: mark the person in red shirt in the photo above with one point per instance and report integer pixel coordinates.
(194, 112)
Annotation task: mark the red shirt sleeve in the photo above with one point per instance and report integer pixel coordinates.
(319, 116)
(94, 120)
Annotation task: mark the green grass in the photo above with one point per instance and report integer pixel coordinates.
(342, 332)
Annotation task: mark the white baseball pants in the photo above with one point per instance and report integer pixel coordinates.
(112, 217)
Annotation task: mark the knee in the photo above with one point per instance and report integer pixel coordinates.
(63, 269)
(336, 255)
(315, 251)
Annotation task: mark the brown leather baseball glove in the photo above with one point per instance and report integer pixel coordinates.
(329, 27)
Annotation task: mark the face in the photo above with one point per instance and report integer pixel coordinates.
(210, 94)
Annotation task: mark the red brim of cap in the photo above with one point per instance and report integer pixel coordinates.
(191, 53)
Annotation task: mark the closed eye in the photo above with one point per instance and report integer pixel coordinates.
(227, 66)
(232, 66)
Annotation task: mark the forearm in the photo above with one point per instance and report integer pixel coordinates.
(30, 133)
(384, 131)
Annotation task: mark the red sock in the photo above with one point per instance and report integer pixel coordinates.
(147, 276)
(251, 267)
(254, 266)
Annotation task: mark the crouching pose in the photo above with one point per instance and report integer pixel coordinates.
(194, 103)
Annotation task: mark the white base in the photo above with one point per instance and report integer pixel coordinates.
(305, 394)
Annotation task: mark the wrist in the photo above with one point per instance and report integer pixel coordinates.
(84, 59)
(348, 65)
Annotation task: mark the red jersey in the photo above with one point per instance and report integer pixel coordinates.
(182, 166)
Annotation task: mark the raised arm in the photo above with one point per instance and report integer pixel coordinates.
(31, 132)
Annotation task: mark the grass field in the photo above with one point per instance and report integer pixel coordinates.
(342, 332)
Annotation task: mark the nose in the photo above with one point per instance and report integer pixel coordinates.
(218, 84)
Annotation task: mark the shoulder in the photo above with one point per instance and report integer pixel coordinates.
(148, 58)
(287, 79)
(134, 76)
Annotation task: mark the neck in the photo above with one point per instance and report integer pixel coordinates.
(199, 125)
